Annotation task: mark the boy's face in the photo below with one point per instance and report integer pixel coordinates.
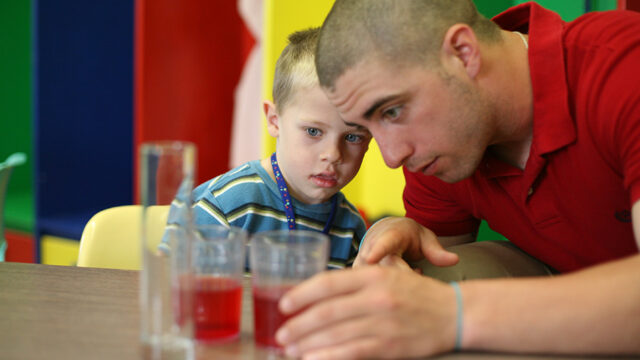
(317, 152)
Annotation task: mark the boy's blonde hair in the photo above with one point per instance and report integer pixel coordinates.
(295, 68)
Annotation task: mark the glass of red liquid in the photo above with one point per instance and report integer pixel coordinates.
(216, 296)
(280, 260)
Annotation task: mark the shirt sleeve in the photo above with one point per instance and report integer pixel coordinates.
(614, 100)
(431, 202)
(207, 210)
(360, 231)
(627, 137)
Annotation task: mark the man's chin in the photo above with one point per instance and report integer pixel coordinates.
(452, 178)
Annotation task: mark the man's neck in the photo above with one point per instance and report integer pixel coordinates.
(513, 95)
(513, 153)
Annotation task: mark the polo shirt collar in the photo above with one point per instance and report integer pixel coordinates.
(553, 126)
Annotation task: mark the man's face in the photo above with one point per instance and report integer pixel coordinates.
(431, 123)
(318, 153)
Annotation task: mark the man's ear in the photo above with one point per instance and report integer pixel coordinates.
(272, 118)
(460, 47)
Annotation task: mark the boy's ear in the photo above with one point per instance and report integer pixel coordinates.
(272, 118)
(460, 47)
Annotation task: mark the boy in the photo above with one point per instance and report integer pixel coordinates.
(299, 185)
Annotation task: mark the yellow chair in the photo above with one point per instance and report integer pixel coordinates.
(111, 238)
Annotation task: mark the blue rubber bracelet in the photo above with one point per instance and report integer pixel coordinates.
(456, 289)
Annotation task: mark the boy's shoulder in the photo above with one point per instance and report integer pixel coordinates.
(250, 173)
(345, 204)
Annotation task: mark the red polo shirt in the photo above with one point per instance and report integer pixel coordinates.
(570, 207)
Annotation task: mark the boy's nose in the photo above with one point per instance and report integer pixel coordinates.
(331, 154)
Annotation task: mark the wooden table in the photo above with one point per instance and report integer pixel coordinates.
(62, 312)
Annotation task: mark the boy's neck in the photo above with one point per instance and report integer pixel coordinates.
(266, 165)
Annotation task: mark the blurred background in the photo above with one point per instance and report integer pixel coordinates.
(83, 83)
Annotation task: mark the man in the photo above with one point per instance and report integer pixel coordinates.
(534, 126)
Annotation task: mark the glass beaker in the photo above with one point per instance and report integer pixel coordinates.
(166, 177)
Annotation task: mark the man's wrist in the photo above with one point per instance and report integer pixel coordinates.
(459, 315)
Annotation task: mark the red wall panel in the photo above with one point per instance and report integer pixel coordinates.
(20, 247)
(629, 5)
(189, 57)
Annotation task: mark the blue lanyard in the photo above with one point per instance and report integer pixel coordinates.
(286, 199)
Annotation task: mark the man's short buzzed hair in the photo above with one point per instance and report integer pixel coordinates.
(295, 68)
(396, 31)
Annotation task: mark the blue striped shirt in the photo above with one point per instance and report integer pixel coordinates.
(247, 197)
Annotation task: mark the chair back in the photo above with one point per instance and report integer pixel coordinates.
(111, 238)
(5, 173)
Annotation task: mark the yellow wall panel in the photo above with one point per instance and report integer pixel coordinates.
(59, 251)
(281, 18)
(376, 189)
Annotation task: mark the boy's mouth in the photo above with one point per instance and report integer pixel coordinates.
(325, 180)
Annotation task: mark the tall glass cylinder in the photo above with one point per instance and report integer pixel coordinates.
(167, 173)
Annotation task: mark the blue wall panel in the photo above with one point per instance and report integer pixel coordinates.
(83, 111)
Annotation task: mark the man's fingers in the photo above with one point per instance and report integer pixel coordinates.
(437, 255)
(395, 261)
(388, 245)
(357, 349)
(373, 237)
(322, 286)
(316, 326)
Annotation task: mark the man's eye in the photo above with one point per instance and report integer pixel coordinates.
(353, 138)
(313, 132)
(392, 113)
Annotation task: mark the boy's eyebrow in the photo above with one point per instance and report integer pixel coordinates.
(373, 108)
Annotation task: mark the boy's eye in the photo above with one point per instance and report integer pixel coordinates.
(313, 132)
(353, 138)
(392, 113)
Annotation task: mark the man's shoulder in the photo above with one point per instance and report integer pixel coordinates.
(604, 26)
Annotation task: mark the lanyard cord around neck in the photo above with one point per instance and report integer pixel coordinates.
(288, 204)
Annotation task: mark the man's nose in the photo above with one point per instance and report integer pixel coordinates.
(394, 153)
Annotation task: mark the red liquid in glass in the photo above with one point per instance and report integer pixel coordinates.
(217, 303)
(266, 316)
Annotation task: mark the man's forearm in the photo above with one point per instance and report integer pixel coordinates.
(447, 241)
(596, 310)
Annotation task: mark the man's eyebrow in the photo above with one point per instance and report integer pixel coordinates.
(357, 126)
(369, 113)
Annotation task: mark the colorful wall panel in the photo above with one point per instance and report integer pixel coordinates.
(16, 112)
(83, 97)
(188, 59)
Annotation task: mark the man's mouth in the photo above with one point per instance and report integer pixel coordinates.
(428, 169)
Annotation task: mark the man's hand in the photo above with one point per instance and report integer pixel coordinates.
(371, 311)
(395, 238)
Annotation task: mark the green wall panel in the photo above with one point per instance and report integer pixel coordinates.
(568, 9)
(491, 8)
(602, 5)
(16, 109)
